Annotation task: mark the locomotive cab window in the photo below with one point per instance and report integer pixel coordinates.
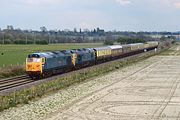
(33, 56)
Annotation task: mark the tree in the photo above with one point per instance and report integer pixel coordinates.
(41, 42)
(123, 40)
(10, 27)
(43, 29)
(129, 40)
(108, 42)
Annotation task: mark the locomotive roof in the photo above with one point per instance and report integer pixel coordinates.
(51, 54)
(82, 50)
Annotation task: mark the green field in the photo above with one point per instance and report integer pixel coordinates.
(16, 54)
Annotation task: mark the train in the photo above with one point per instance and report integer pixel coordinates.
(43, 64)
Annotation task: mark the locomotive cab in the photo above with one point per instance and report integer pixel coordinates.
(34, 65)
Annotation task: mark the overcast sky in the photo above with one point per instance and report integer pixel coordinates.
(125, 15)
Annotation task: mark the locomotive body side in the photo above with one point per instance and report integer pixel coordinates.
(57, 62)
(83, 57)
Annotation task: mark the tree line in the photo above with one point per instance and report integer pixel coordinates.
(18, 36)
(127, 40)
(44, 36)
(140, 39)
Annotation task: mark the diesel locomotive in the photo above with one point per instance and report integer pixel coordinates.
(39, 65)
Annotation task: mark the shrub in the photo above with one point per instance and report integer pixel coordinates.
(41, 42)
(19, 42)
(7, 41)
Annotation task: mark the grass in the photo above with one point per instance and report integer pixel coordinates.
(16, 54)
(11, 71)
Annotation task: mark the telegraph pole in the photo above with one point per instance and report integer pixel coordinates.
(26, 39)
(3, 37)
(34, 35)
(49, 38)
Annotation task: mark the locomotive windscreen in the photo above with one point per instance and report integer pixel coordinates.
(33, 56)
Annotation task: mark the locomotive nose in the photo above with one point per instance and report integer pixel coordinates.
(34, 67)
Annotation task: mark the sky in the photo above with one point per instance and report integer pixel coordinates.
(120, 15)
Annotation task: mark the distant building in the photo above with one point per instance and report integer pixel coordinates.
(100, 31)
(156, 36)
(75, 30)
(177, 37)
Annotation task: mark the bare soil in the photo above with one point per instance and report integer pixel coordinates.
(151, 92)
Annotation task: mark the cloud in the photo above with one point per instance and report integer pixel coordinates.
(84, 25)
(123, 2)
(41, 2)
(177, 4)
(173, 3)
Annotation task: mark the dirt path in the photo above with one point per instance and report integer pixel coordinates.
(153, 92)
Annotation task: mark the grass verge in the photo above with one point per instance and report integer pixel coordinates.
(11, 71)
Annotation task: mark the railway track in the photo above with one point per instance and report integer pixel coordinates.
(9, 83)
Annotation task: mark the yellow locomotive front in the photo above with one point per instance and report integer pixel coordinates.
(34, 65)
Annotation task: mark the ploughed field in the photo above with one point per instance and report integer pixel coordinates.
(16, 54)
(146, 90)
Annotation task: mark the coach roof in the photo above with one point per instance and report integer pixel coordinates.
(102, 48)
(115, 47)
